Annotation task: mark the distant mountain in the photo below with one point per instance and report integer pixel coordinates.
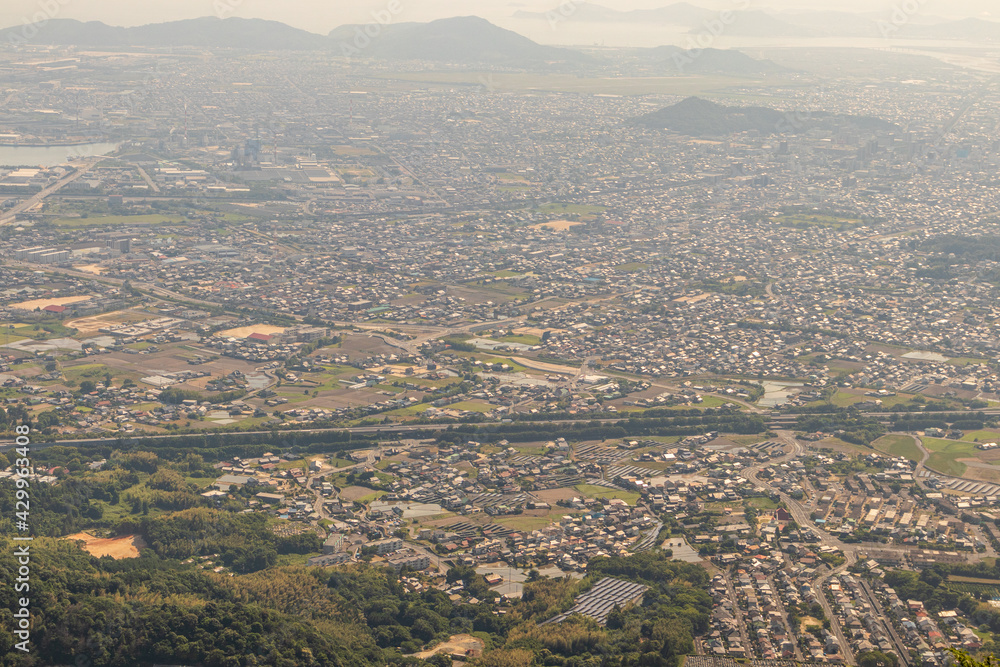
(967, 30)
(755, 23)
(697, 118)
(748, 22)
(466, 39)
(680, 13)
(834, 23)
(463, 39)
(208, 32)
(712, 61)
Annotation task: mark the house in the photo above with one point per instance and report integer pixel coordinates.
(333, 543)
(326, 560)
(234, 480)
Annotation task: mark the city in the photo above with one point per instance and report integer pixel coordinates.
(562, 359)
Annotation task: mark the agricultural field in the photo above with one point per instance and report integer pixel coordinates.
(974, 585)
(945, 455)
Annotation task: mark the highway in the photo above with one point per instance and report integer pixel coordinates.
(82, 168)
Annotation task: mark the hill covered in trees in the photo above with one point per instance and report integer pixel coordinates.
(154, 610)
(697, 117)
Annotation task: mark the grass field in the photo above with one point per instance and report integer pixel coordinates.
(765, 504)
(594, 491)
(525, 523)
(523, 339)
(843, 399)
(107, 220)
(981, 436)
(945, 454)
(966, 361)
(898, 445)
(410, 410)
(472, 406)
(372, 497)
(530, 450)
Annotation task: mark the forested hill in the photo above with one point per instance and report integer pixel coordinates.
(151, 610)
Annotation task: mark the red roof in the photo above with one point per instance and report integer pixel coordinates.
(260, 336)
(54, 309)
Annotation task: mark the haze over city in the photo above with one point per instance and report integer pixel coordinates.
(322, 16)
(490, 334)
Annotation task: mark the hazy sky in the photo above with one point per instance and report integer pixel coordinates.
(323, 15)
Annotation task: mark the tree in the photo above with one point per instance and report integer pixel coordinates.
(965, 660)
(88, 387)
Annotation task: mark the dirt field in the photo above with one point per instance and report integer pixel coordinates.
(552, 496)
(356, 492)
(243, 332)
(96, 269)
(988, 454)
(359, 347)
(341, 398)
(981, 474)
(544, 366)
(52, 301)
(117, 548)
(557, 225)
(172, 358)
(91, 325)
(466, 645)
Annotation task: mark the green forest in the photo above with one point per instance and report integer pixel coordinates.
(155, 610)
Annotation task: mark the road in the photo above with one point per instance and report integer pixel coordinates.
(801, 517)
(845, 647)
(901, 648)
(792, 633)
(923, 460)
(149, 181)
(742, 626)
(82, 168)
(313, 488)
(581, 373)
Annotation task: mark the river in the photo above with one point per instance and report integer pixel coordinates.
(50, 156)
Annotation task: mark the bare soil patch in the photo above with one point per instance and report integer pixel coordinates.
(117, 547)
(457, 645)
